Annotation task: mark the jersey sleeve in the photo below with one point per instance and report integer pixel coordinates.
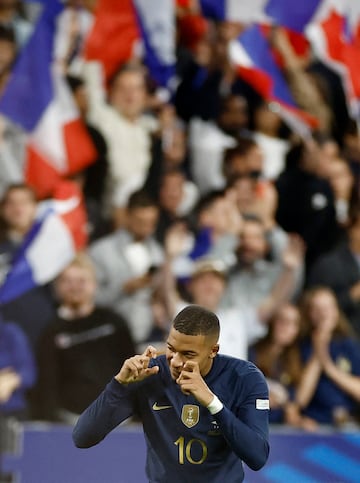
(113, 406)
(247, 429)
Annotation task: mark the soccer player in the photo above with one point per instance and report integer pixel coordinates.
(203, 413)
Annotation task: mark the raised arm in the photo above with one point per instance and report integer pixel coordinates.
(114, 404)
(290, 278)
(246, 432)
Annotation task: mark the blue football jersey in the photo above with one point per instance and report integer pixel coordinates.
(185, 443)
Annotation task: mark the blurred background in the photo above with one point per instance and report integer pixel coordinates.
(159, 153)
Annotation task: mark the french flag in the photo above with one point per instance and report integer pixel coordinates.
(252, 55)
(134, 29)
(293, 15)
(243, 11)
(57, 233)
(334, 37)
(38, 99)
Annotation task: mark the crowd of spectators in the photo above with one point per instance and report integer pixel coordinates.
(209, 198)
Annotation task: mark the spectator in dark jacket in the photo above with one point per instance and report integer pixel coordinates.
(83, 334)
(340, 271)
(306, 202)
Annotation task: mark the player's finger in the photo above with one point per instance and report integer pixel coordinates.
(191, 366)
(150, 352)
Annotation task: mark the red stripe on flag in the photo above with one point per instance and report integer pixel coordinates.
(76, 219)
(39, 174)
(113, 35)
(80, 149)
(351, 57)
(258, 80)
(333, 28)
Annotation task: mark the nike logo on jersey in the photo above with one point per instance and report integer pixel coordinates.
(159, 408)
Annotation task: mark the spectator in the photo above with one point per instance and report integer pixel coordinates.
(339, 270)
(169, 145)
(11, 17)
(122, 122)
(124, 262)
(17, 371)
(306, 203)
(218, 224)
(278, 356)
(267, 134)
(81, 348)
(241, 324)
(242, 167)
(304, 85)
(346, 192)
(329, 389)
(94, 176)
(209, 139)
(253, 277)
(17, 376)
(176, 198)
(12, 138)
(32, 310)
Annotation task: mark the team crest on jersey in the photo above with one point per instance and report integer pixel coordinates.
(190, 415)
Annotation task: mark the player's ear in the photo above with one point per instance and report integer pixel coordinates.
(214, 350)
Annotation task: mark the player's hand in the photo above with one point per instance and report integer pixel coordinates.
(137, 368)
(191, 382)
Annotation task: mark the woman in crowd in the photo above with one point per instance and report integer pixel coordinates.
(329, 388)
(278, 356)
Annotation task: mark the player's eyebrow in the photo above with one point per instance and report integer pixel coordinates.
(185, 352)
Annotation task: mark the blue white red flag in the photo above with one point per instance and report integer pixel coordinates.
(57, 233)
(157, 26)
(134, 28)
(252, 55)
(334, 34)
(292, 15)
(244, 11)
(38, 99)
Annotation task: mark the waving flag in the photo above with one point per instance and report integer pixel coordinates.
(57, 233)
(333, 34)
(38, 99)
(157, 25)
(244, 11)
(134, 28)
(293, 15)
(252, 55)
(114, 35)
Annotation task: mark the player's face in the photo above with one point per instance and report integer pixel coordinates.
(182, 348)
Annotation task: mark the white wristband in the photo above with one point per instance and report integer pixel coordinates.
(215, 406)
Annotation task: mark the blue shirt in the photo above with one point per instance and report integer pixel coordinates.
(345, 352)
(16, 353)
(185, 443)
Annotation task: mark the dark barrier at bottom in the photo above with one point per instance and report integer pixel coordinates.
(45, 454)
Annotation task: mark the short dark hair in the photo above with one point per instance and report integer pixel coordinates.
(21, 187)
(208, 200)
(141, 199)
(128, 67)
(196, 320)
